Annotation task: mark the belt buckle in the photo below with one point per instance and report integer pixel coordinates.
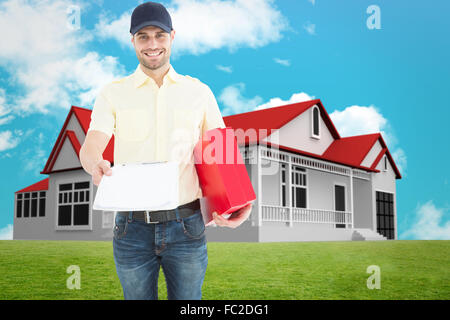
(147, 217)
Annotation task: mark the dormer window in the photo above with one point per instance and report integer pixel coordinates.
(315, 123)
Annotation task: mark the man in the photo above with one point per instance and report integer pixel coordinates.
(156, 114)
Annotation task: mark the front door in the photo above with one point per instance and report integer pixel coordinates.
(339, 205)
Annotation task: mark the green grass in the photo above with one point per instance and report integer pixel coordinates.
(301, 270)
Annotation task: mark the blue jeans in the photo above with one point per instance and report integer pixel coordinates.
(179, 246)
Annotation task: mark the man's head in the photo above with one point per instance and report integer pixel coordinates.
(151, 28)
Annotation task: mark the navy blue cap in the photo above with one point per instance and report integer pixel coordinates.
(150, 14)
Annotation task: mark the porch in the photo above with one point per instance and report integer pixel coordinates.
(292, 216)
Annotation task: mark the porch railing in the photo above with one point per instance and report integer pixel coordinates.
(301, 215)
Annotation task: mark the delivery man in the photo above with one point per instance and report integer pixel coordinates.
(153, 112)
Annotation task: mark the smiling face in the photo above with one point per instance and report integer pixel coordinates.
(152, 46)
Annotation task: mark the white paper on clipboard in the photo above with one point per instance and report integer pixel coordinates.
(139, 186)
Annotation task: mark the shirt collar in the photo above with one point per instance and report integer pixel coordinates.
(140, 77)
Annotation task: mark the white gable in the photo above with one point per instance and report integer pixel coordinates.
(67, 157)
(372, 155)
(75, 126)
(384, 180)
(297, 134)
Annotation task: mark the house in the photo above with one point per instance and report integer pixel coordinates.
(311, 184)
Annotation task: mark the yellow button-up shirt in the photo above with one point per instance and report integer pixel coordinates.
(152, 123)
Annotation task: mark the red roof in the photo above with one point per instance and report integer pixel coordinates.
(84, 118)
(353, 150)
(349, 151)
(265, 121)
(38, 186)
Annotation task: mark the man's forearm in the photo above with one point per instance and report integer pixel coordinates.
(89, 157)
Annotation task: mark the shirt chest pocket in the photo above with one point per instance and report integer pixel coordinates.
(133, 124)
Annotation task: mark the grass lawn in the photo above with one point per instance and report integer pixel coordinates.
(296, 270)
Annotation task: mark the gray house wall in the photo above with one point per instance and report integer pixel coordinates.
(321, 189)
(45, 228)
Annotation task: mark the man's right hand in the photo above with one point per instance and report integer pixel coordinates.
(102, 167)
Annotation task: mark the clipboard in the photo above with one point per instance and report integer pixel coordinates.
(139, 186)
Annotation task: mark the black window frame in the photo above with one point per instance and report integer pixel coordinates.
(385, 214)
(31, 204)
(299, 187)
(74, 204)
(316, 122)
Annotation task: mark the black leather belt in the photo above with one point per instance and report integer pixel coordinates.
(158, 216)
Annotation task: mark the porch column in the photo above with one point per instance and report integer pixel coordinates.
(288, 191)
(256, 177)
(259, 185)
(351, 198)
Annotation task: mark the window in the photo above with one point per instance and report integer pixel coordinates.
(73, 204)
(42, 205)
(34, 204)
(315, 123)
(26, 207)
(19, 206)
(30, 204)
(298, 176)
(385, 163)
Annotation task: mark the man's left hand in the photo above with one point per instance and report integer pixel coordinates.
(236, 218)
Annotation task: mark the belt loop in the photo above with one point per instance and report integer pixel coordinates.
(177, 214)
(130, 216)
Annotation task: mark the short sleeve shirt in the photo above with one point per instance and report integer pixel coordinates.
(152, 123)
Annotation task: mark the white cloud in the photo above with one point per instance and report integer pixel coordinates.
(119, 29)
(286, 63)
(202, 26)
(430, 223)
(8, 140)
(356, 120)
(6, 120)
(359, 120)
(6, 233)
(48, 61)
(312, 1)
(226, 69)
(310, 28)
(232, 97)
(276, 102)
(400, 160)
(4, 109)
(234, 101)
(42, 32)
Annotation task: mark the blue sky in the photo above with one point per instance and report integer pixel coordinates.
(392, 80)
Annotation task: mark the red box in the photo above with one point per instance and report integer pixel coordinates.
(223, 178)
